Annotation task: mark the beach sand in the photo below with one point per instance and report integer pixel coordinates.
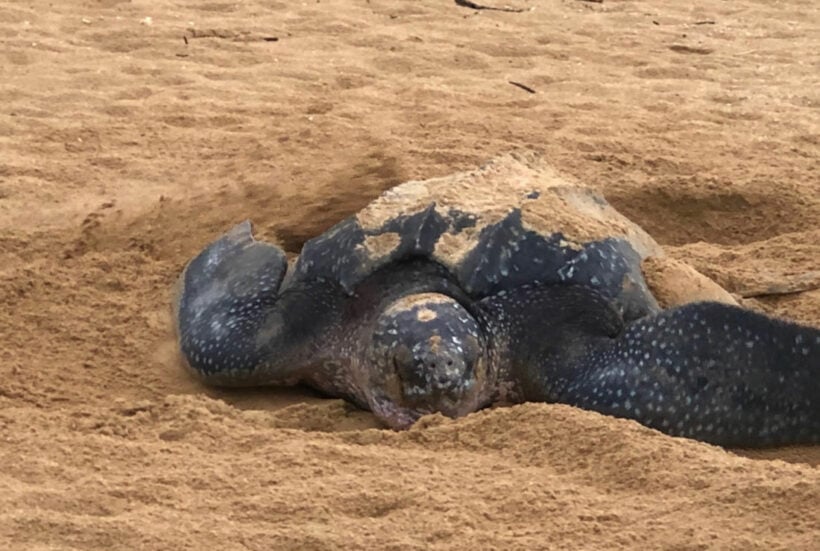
(134, 132)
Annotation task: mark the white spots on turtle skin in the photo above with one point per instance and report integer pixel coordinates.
(732, 385)
(612, 267)
(802, 344)
(218, 330)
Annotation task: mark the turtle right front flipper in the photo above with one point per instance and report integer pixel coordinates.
(236, 327)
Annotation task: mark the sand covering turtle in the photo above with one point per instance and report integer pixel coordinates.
(508, 283)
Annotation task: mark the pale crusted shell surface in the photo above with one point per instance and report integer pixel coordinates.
(514, 220)
(550, 203)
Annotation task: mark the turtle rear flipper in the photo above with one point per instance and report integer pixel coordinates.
(711, 372)
(232, 323)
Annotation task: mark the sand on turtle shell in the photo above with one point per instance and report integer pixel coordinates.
(549, 202)
(132, 133)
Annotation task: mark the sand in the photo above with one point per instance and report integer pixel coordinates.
(132, 133)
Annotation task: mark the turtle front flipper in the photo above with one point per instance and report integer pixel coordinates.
(540, 333)
(235, 326)
(711, 372)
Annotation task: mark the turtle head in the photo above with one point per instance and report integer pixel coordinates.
(427, 355)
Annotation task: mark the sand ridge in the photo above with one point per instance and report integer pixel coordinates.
(133, 133)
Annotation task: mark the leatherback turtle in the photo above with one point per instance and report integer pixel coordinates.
(508, 283)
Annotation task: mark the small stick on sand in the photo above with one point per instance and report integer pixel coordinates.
(522, 86)
(474, 6)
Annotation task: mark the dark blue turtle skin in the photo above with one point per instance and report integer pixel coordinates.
(521, 317)
(706, 370)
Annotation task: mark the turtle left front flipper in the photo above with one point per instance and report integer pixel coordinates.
(707, 371)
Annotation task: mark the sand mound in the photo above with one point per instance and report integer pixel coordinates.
(196, 473)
